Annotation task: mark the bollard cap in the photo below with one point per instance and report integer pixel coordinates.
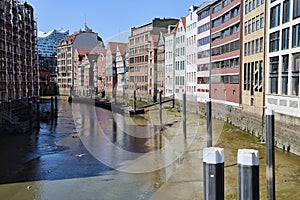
(269, 111)
(213, 155)
(248, 157)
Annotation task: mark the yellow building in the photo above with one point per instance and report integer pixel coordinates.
(254, 25)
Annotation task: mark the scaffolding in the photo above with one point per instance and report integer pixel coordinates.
(19, 77)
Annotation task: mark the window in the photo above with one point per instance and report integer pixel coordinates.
(296, 36)
(257, 24)
(275, 16)
(217, 22)
(274, 74)
(226, 2)
(203, 28)
(246, 8)
(226, 17)
(261, 44)
(295, 74)
(246, 28)
(296, 9)
(249, 27)
(252, 47)
(286, 11)
(284, 75)
(274, 41)
(250, 5)
(236, 28)
(248, 51)
(236, 11)
(285, 38)
(217, 8)
(203, 14)
(253, 24)
(245, 49)
(262, 21)
(226, 33)
(216, 36)
(256, 45)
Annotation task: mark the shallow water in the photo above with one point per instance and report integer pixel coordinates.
(54, 163)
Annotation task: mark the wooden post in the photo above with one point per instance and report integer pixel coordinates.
(213, 173)
(270, 157)
(160, 110)
(184, 113)
(248, 174)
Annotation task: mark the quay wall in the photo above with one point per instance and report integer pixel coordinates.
(252, 120)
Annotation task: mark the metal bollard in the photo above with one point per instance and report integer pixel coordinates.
(270, 156)
(248, 174)
(56, 104)
(38, 112)
(52, 105)
(209, 123)
(213, 173)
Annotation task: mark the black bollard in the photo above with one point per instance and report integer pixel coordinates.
(160, 110)
(30, 114)
(184, 113)
(134, 101)
(56, 105)
(38, 112)
(209, 123)
(270, 157)
(248, 174)
(9, 107)
(213, 173)
(52, 106)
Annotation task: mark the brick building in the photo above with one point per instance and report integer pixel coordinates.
(143, 55)
(225, 51)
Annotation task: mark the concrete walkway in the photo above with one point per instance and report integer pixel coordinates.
(185, 181)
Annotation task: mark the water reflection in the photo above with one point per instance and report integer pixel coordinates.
(59, 162)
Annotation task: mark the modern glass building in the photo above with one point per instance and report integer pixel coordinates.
(48, 41)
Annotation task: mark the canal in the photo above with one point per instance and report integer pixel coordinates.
(70, 158)
(92, 153)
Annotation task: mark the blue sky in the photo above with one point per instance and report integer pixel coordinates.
(107, 18)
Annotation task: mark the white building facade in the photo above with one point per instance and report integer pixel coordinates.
(169, 63)
(203, 52)
(180, 59)
(191, 54)
(283, 57)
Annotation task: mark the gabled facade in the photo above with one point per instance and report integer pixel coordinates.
(180, 58)
(191, 54)
(161, 63)
(121, 67)
(87, 63)
(84, 39)
(115, 57)
(143, 56)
